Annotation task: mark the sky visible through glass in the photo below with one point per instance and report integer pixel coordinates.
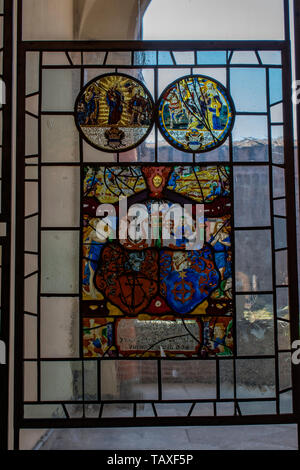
(216, 19)
(223, 20)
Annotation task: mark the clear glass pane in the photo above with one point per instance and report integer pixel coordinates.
(144, 409)
(119, 58)
(277, 144)
(129, 380)
(167, 153)
(244, 57)
(278, 182)
(282, 296)
(90, 380)
(146, 150)
(117, 410)
(275, 84)
(203, 409)
(226, 378)
(31, 234)
(60, 251)
(89, 74)
(165, 58)
(60, 89)
(248, 89)
(93, 58)
(166, 76)
(55, 58)
(250, 139)
(30, 294)
(145, 58)
(30, 337)
(255, 325)
(283, 331)
(172, 409)
(32, 160)
(130, 156)
(285, 370)
(90, 154)
(31, 198)
(255, 378)
(32, 104)
(276, 113)
(30, 381)
(31, 173)
(225, 409)
(279, 207)
(43, 411)
(286, 402)
(30, 264)
(60, 140)
(211, 57)
(184, 57)
(281, 268)
(188, 379)
(220, 154)
(75, 57)
(92, 411)
(280, 233)
(253, 260)
(61, 380)
(270, 57)
(59, 327)
(251, 190)
(60, 196)
(258, 408)
(75, 411)
(31, 139)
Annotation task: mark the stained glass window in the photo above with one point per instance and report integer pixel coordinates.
(143, 294)
(190, 331)
(195, 113)
(114, 112)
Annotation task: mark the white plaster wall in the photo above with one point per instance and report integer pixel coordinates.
(47, 19)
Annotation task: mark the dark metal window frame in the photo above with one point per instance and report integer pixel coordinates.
(5, 216)
(65, 46)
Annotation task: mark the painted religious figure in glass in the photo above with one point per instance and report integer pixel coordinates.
(114, 112)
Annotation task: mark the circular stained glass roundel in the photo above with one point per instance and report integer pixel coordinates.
(196, 113)
(114, 112)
